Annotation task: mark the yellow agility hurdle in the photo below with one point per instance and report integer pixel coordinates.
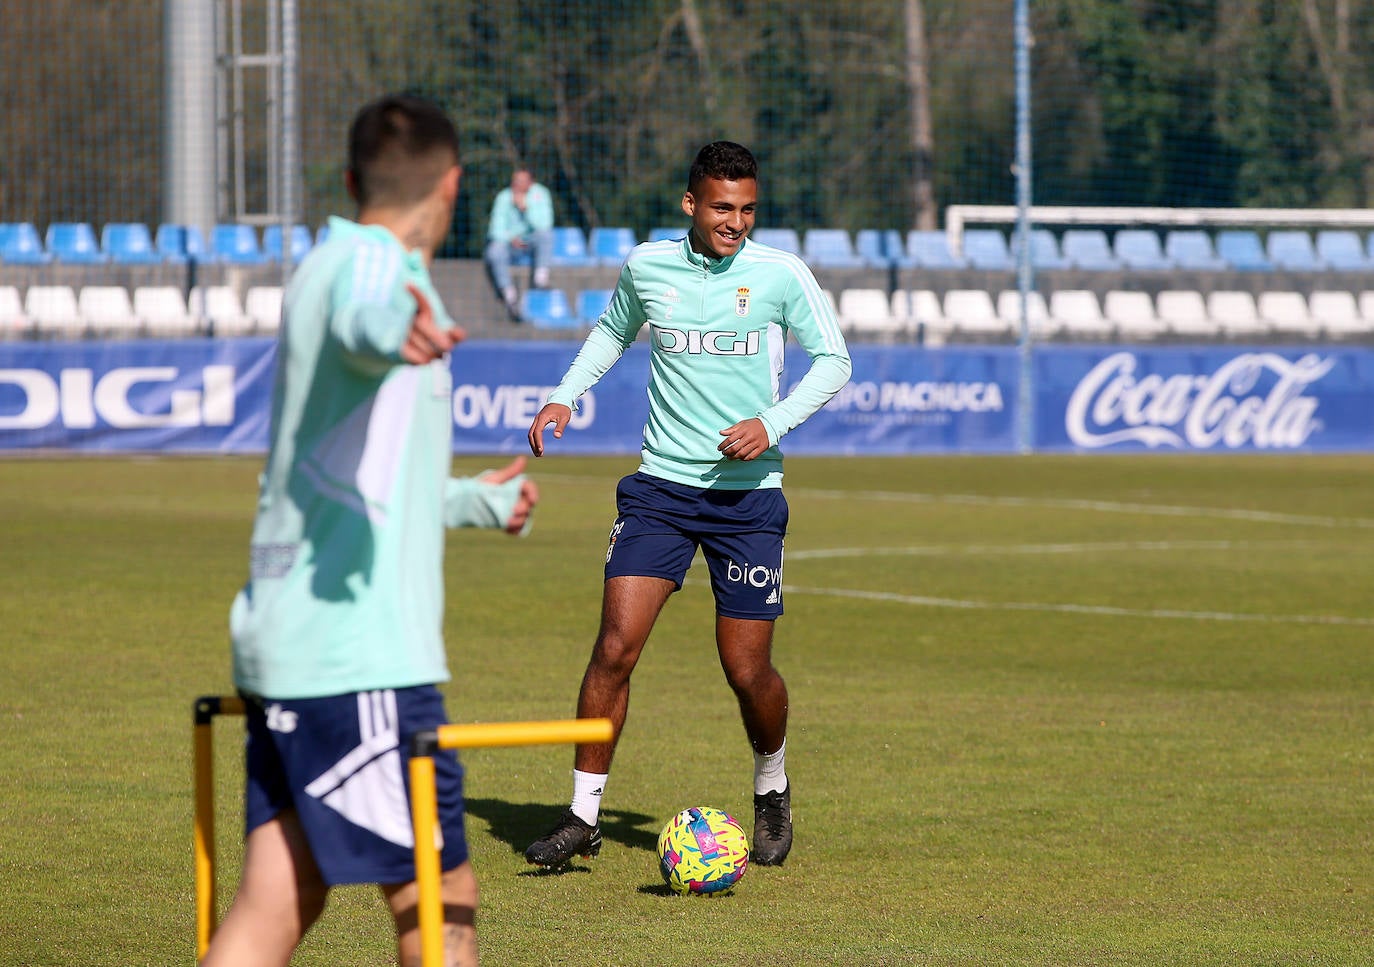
(423, 806)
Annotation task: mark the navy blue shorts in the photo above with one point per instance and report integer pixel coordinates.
(342, 763)
(740, 533)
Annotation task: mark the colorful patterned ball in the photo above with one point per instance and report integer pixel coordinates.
(702, 850)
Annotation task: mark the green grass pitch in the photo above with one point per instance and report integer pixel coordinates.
(1056, 710)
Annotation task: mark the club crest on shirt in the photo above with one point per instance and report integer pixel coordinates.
(742, 301)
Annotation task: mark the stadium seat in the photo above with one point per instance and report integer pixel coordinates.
(1191, 248)
(1184, 313)
(928, 250)
(591, 303)
(868, 245)
(1132, 314)
(236, 244)
(868, 311)
(1367, 308)
(1292, 250)
(1045, 252)
(54, 311)
(609, 246)
(1139, 249)
(220, 310)
(830, 248)
(664, 232)
(301, 242)
(1042, 324)
(262, 303)
(971, 313)
(570, 248)
(1242, 250)
(547, 309)
(1342, 251)
(180, 243)
(1337, 313)
(163, 311)
(1235, 314)
(20, 244)
(895, 250)
(1079, 314)
(108, 311)
(986, 248)
(1088, 249)
(14, 322)
(923, 313)
(783, 238)
(1288, 313)
(74, 243)
(322, 234)
(128, 243)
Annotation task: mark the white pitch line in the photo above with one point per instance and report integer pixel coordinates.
(1101, 506)
(939, 550)
(1086, 609)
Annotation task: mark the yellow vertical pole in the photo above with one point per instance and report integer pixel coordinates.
(205, 710)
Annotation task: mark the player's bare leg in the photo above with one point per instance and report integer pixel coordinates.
(280, 895)
(629, 608)
(458, 889)
(746, 655)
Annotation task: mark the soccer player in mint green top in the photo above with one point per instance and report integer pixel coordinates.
(718, 307)
(337, 634)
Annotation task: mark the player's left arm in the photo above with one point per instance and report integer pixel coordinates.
(810, 317)
(503, 498)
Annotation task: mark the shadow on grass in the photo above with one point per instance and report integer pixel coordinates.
(519, 824)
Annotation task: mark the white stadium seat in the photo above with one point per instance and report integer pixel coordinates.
(14, 322)
(1287, 312)
(1235, 314)
(221, 309)
(54, 311)
(1337, 313)
(923, 314)
(1367, 308)
(108, 311)
(163, 311)
(1184, 313)
(263, 304)
(971, 313)
(868, 311)
(1080, 314)
(1042, 322)
(1133, 314)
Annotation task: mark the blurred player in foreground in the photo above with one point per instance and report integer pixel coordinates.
(338, 633)
(719, 308)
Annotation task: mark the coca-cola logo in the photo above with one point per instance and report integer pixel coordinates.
(1253, 398)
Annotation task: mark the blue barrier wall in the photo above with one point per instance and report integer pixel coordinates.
(214, 396)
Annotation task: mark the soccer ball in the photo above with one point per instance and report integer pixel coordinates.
(702, 850)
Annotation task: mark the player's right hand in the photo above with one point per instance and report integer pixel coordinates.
(556, 413)
(426, 342)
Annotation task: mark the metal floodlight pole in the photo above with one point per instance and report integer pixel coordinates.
(1024, 269)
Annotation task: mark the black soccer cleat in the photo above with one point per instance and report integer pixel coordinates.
(772, 827)
(569, 837)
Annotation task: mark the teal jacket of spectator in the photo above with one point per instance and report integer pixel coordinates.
(508, 222)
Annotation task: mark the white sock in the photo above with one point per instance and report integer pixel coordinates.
(770, 771)
(586, 800)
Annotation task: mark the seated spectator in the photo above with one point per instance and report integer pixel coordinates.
(520, 230)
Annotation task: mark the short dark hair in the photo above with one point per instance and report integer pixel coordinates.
(725, 160)
(398, 148)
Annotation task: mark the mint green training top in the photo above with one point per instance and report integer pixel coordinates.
(716, 330)
(345, 592)
(507, 221)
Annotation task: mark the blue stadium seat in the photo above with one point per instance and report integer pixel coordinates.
(868, 245)
(321, 234)
(236, 244)
(1088, 249)
(301, 242)
(783, 238)
(830, 248)
(1343, 251)
(1292, 249)
(570, 247)
(1139, 248)
(663, 232)
(178, 243)
(1045, 252)
(20, 244)
(1242, 250)
(610, 245)
(591, 303)
(896, 251)
(74, 242)
(1191, 248)
(128, 243)
(986, 248)
(547, 309)
(930, 249)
